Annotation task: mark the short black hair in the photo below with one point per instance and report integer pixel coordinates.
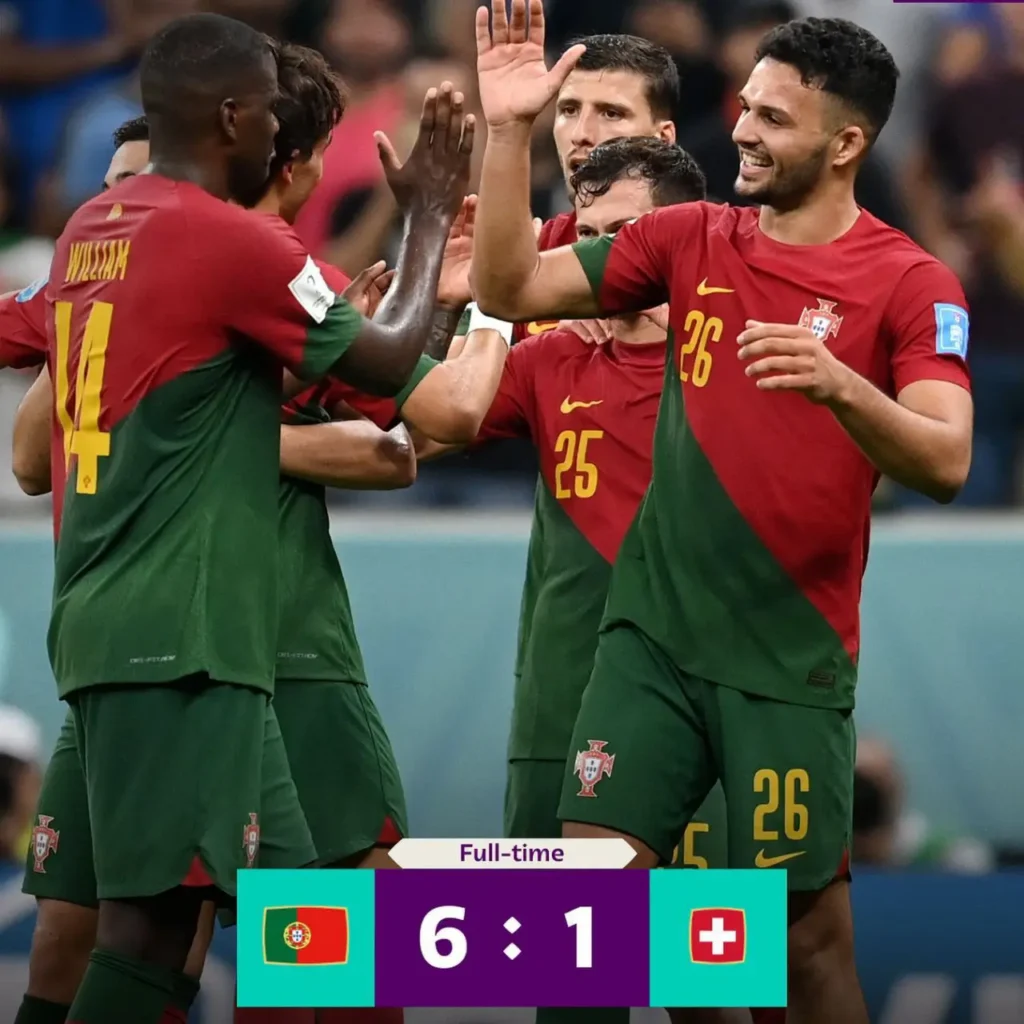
(310, 104)
(843, 60)
(196, 56)
(673, 174)
(653, 63)
(135, 130)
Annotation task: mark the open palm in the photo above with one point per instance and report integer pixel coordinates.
(515, 83)
(453, 289)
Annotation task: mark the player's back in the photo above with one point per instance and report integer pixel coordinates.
(755, 530)
(590, 412)
(169, 529)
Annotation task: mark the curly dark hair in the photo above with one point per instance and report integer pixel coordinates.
(135, 130)
(843, 60)
(311, 103)
(653, 63)
(673, 174)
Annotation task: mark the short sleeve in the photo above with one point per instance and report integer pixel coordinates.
(511, 412)
(23, 327)
(929, 326)
(275, 295)
(631, 270)
(423, 367)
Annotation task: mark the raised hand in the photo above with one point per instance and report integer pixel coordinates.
(369, 287)
(435, 178)
(453, 290)
(515, 83)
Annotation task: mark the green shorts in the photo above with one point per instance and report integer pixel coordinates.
(786, 770)
(532, 790)
(183, 785)
(343, 766)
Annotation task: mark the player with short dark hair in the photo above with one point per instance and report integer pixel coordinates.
(153, 643)
(816, 348)
(135, 130)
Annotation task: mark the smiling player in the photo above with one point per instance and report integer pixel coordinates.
(815, 348)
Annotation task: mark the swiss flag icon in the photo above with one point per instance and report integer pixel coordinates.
(718, 935)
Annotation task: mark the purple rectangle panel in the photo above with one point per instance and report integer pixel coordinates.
(512, 938)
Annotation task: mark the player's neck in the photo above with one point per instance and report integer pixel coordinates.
(637, 330)
(184, 167)
(822, 219)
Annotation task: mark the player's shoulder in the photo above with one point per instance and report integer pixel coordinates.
(898, 261)
(559, 231)
(551, 349)
(687, 219)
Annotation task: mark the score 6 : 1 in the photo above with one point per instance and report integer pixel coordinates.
(432, 933)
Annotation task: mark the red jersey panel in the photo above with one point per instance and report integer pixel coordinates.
(558, 231)
(23, 327)
(590, 411)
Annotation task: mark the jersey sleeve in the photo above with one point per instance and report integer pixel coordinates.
(380, 411)
(631, 270)
(272, 292)
(511, 412)
(929, 326)
(23, 327)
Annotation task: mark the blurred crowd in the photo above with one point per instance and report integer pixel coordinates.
(947, 170)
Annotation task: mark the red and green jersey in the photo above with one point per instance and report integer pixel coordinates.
(558, 231)
(170, 314)
(590, 412)
(745, 561)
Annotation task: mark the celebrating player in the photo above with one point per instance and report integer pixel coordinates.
(166, 661)
(730, 640)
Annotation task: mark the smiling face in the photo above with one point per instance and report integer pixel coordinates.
(791, 137)
(595, 106)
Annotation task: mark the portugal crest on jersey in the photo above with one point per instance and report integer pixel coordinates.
(44, 842)
(251, 840)
(824, 324)
(591, 765)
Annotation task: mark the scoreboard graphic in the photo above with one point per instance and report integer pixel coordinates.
(511, 938)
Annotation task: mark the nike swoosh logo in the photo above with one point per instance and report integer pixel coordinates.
(703, 289)
(762, 861)
(541, 326)
(567, 406)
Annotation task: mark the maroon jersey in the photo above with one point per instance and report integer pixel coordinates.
(746, 560)
(590, 411)
(170, 314)
(560, 230)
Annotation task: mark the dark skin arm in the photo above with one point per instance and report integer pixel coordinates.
(429, 188)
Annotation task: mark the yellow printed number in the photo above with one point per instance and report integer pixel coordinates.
(794, 813)
(690, 858)
(702, 330)
(572, 446)
(81, 428)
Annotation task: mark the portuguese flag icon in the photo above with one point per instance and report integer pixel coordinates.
(305, 935)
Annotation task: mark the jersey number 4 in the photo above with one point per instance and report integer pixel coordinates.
(81, 427)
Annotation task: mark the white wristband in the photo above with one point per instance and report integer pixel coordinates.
(482, 322)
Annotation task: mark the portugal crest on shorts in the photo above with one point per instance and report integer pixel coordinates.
(297, 935)
(591, 765)
(251, 840)
(44, 842)
(824, 324)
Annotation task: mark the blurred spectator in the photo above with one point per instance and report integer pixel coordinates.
(965, 195)
(682, 28)
(268, 16)
(711, 143)
(22, 259)
(20, 780)
(369, 42)
(52, 53)
(887, 834)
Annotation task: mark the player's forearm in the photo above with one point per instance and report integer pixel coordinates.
(427, 449)
(354, 454)
(451, 402)
(385, 354)
(30, 457)
(505, 255)
(442, 332)
(926, 454)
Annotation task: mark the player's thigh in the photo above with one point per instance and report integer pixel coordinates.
(532, 792)
(173, 778)
(705, 841)
(639, 760)
(58, 865)
(284, 839)
(343, 765)
(787, 771)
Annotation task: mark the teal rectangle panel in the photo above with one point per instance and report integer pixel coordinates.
(692, 964)
(307, 985)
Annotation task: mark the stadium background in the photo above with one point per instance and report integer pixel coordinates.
(435, 571)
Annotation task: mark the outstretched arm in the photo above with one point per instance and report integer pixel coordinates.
(31, 442)
(511, 279)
